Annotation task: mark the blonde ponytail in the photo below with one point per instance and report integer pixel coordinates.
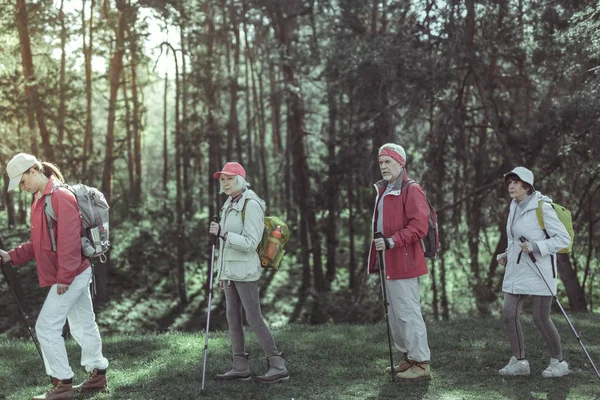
(49, 169)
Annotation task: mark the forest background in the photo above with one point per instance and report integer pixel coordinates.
(146, 99)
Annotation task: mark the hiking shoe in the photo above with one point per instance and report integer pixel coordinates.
(416, 371)
(515, 367)
(240, 371)
(277, 371)
(556, 369)
(402, 366)
(95, 382)
(61, 390)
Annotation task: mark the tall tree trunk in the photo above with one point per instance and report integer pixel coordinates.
(31, 86)
(136, 121)
(275, 108)
(574, 290)
(284, 27)
(180, 245)
(61, 84)
(333, 179)
(374, 16)
(214, 143)
(352, 264)
(258, 119)
(8, 199)
(248, 103)
(88, 143)
(234, 124)
(185, 131)
(115, 71)
(129, 138)
(165, 177)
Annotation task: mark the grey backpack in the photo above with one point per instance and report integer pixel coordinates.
(93, 210)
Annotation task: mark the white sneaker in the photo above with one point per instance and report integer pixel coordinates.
(515, 367)
(556, 368)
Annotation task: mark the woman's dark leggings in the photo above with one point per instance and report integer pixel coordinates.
(511, 309)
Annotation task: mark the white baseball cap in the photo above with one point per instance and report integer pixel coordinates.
(523, 173)
(17, 167)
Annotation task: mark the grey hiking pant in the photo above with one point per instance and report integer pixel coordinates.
(406, 320)
(511, 309)
(244, 296)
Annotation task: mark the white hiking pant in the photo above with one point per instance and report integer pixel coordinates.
(406, 321)
(76, 305)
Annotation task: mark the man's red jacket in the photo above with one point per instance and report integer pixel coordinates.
(405, 220)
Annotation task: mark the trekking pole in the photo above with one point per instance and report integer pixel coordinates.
(379, 235)
(523, 240)
(210, 290)
(23, 313)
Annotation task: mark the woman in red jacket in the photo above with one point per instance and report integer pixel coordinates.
(67, 272)
(401, 215)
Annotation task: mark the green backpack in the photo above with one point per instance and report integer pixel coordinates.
(564, 216)
(271, 246)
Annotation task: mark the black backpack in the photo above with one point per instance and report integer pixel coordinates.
(431, 242)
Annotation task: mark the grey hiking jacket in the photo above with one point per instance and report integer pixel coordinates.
(521, 275)
(238, 259)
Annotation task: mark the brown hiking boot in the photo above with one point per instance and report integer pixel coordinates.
(402, 366)
(95, 382)
(61, 390)
(416, 372)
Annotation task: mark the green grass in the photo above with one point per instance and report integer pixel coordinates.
(325, 362)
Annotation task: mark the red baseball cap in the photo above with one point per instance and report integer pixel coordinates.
(231, 168)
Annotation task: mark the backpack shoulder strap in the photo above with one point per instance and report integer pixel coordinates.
(409, 183)
(244, 209)
(51, 214)
(48, 205)
(538, 213)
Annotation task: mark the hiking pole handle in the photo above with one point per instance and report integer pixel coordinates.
(379, 235)
(215, 237)
(523, 240)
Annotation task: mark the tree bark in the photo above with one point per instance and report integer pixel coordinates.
(249, 128)
(258, 118)
(180, 245)
(185, 131)
(284, 26)
(331, 189)
(61, 83)
(129, 137)
(136, 122)
(88, 143)
(31, 86)
(165, 176)
(115, 71)
(575, 293)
